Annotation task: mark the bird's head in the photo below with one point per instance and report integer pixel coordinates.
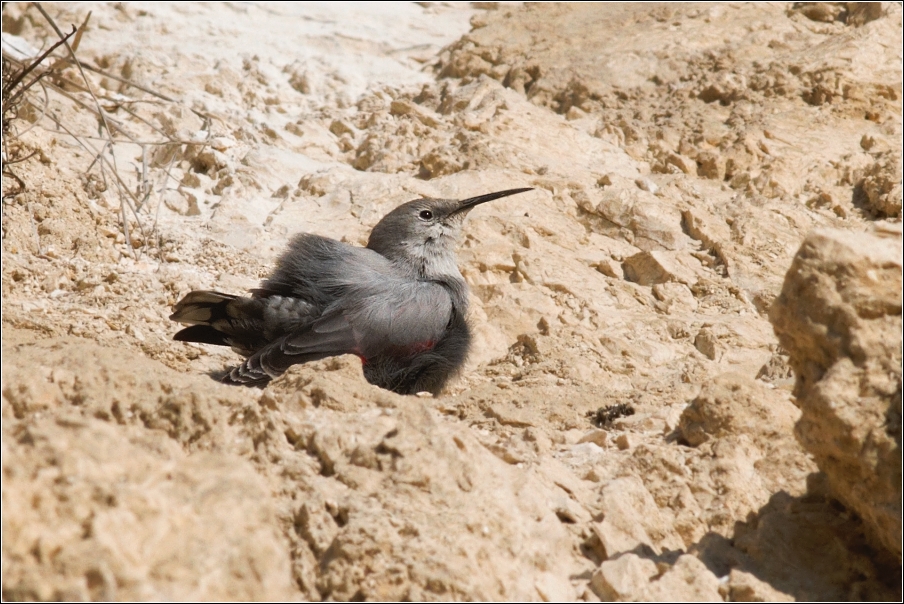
(422, 234)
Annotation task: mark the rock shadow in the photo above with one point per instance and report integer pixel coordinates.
(810, 547)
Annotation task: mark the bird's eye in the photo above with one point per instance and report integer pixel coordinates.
(426, 215)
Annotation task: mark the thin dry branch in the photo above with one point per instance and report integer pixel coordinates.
(126, 198)
(75, 61)
(15, 80)
(117, 127)
(128, 82)
(136, 199)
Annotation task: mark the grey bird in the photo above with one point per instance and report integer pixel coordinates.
(400, 303)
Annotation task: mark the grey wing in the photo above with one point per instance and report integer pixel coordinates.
(383, 313)
(370, 304)
(273, 360)
(398, 316)
(321, 270)
(394, 314)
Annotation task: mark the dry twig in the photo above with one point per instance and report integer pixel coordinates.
(113, 133)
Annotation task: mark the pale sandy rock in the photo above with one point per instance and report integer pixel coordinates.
(839, 317)
(706, 228)
(882, 186)
(625, 441)
(511, 415)
(630, 578)
(571, 437)
(611, 268)
(382, 449)
(711, 165)
(804, 548)
(536, 268)
(821, 11)
(860, 13)
(707, 342)
(688, 580)
(653, 225)
(745, 587)
(351, 506)
(650, 268)
(681, 162)
(404, 107)
(719, 342)
(725, 477)
(646, 184)
(632, 521)
(598, 437)
(551, 588)
(777, 371)
(676, 297)
(624, 578)
(734, 405)
(118, 514)
(181, 202)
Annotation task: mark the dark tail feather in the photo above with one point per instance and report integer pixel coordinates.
(202, 308)
(203, 334)
(221, 319)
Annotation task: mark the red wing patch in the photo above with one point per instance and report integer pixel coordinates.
(422, 347)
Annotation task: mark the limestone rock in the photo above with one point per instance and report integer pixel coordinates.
(632, 521)
(624, 578)
(745, 587)
(649, 268)
(839, 318)
(91, 512)
(679, 154)
(882, 186)
(688, 580)
(733, 405)
(630, 578)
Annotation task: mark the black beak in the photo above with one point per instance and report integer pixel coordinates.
(467, 204)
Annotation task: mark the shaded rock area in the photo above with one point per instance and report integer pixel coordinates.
(685, 382)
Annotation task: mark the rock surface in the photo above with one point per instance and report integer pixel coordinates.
(625, 426)
(839, 318)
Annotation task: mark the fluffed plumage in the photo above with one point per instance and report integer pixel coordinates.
(400, 304)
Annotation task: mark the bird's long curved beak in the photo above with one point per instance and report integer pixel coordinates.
(465, 205)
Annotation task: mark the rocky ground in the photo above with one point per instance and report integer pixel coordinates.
(686, 380)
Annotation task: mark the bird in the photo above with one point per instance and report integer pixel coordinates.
(400, 303)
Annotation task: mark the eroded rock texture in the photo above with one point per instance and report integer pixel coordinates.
(839, 317)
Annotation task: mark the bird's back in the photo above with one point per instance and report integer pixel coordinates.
(320, 270)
